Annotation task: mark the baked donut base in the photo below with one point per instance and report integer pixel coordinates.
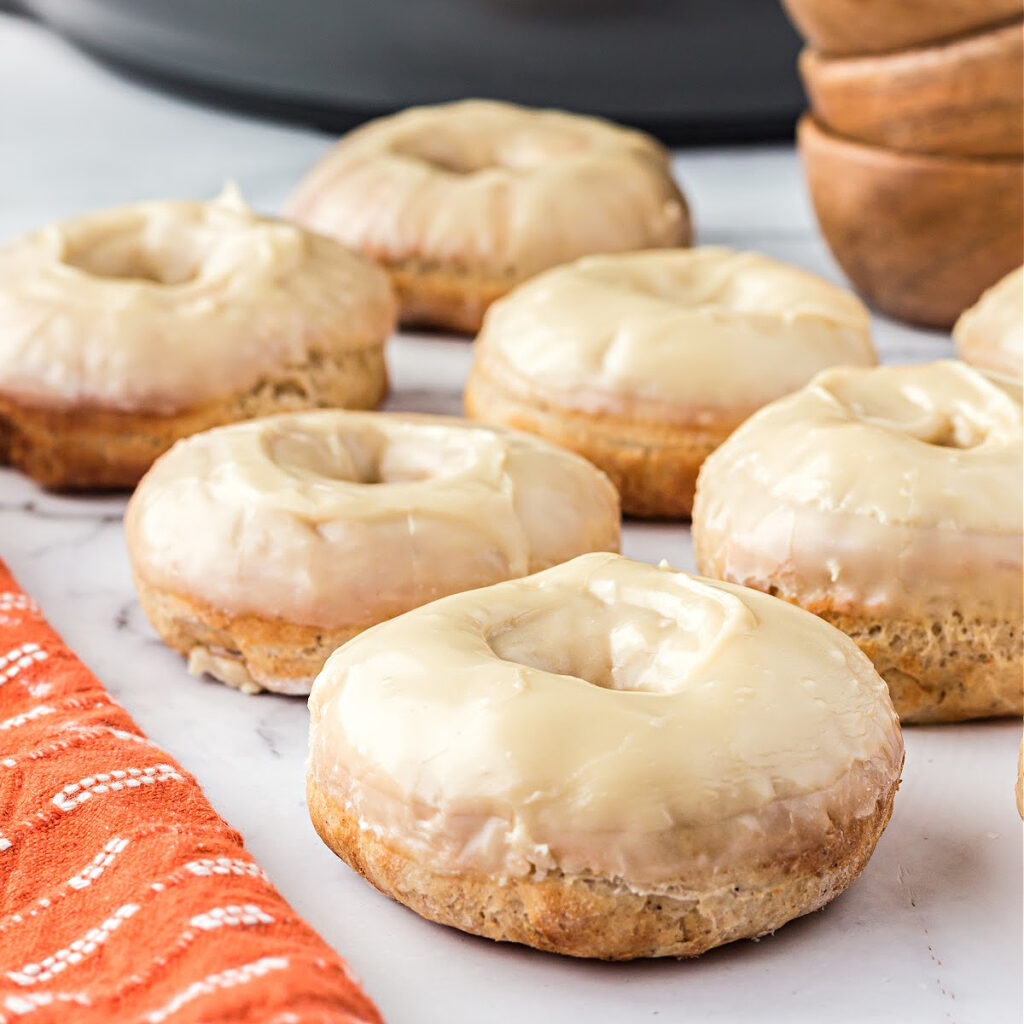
(604, 918)
(443, 299)
(247, 652)
(653, 466)
(941, 670)
(97, 448)
(948, 669)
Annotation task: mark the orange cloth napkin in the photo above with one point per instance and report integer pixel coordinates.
(123, 895)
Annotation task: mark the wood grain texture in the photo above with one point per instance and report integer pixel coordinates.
(960, 98)
(920, 237)
(881, 26)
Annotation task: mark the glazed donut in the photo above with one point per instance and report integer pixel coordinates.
(258, 548)
(461, 201)
(990, 335)
(645, 362)
(606, 759)
(124, 330)
(888, 501)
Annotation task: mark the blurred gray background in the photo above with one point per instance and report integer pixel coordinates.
(691, 71)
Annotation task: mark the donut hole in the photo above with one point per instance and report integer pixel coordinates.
(714, 280)
(620, 646)
(370, 456)
(914, 412)
(462, 152)
(159, 253)
(441, 154)
(956, 432)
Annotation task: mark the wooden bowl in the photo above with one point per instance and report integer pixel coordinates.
(879, 26)
(960, 98)
(920, 237)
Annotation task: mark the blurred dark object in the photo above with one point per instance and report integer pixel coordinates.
(687, 70)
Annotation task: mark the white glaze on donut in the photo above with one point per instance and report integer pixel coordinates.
(603, 718)
(492, 189)
(990, 335)
(338, 518)
(896, 490)
(674, 335)
(162, 306)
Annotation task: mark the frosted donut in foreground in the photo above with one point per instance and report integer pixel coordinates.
(259, 547)
(461, 201)
(990, 335)
(644, 362)
(606, 759)
(123, 330)
(888, 501)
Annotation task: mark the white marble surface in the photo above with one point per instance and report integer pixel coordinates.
(931, 932)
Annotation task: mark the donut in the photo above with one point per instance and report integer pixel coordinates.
(606, 759)
(124, 330)
(461, 201)
(887, 501)
(645, 362)
(990, 335)
(258, 548)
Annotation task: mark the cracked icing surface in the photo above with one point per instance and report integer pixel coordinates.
(603, 717)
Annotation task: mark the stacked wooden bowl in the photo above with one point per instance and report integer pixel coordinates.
(913, 146)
